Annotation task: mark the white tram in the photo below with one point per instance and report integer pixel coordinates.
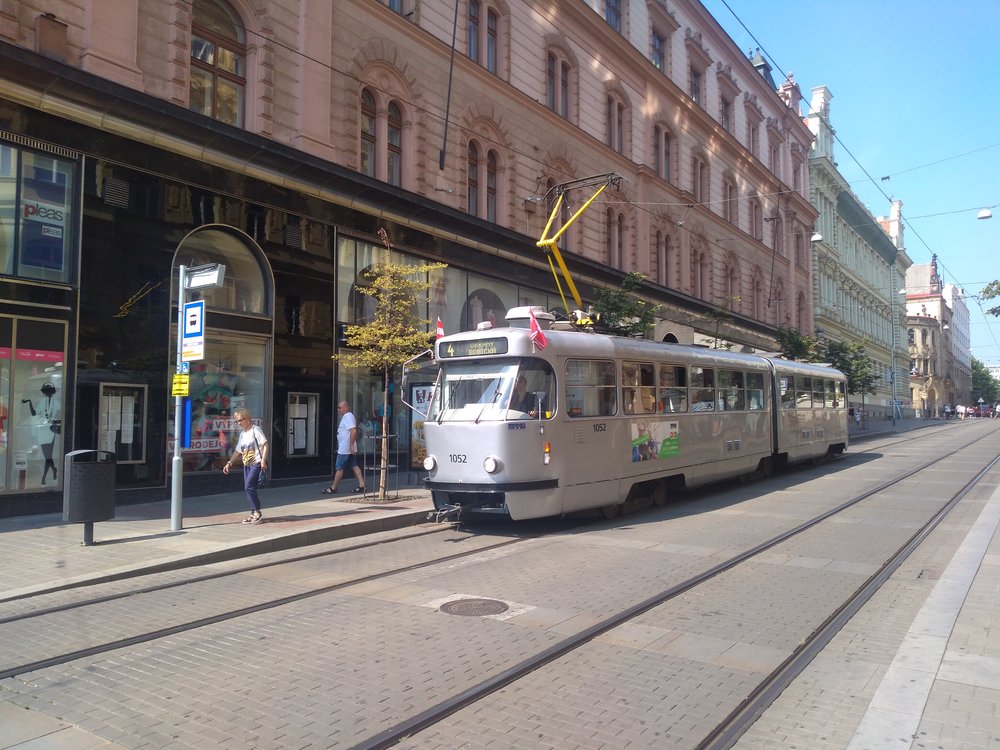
(601, 419)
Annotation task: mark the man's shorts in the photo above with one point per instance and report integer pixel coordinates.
(346, 461)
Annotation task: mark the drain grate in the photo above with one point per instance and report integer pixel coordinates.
(474, 607)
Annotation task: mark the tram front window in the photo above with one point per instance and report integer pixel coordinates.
(493, 391)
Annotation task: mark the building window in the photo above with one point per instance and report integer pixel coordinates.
(472, 30)
(615, 238)
(557, 84)
(661, 251)
(381, 138)
(218, 62)
(394, 175)
(753, 138)
(482, 183)
(473, 186)
(482, 39)
(694, 85)
(700, 180)
(368, 133)
(662, 153)
(613, 14)
(564, 214)
(731, 202)
(658, 53)
(756, 220)
(726, 114)
(615, 123)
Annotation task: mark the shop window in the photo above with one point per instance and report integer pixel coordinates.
(122, 421)
(37, 215)
(218, 62)
(32, 356)
(303, 424)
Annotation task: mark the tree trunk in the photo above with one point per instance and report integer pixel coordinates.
(383, 478)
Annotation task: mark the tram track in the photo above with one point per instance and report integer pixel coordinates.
(737, 721)
(560, 649)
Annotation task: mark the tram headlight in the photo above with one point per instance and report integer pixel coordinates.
(429, 463)
(492, 464)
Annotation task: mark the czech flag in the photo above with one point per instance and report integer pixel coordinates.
(440, 328)
(537, 334)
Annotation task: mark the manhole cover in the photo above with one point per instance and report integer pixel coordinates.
(474, 607)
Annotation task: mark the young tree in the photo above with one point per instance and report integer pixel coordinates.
(621, 312)
(983, 383)
(798, 347)
(395, 334)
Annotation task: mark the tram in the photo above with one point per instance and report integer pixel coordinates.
(528, 424)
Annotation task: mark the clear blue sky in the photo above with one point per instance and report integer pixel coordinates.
(916, 97)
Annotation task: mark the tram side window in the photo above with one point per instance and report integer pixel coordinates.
(818, 396)
(591, 388)
(755, 391)
(673, 389)
(731, 391)
(831, 394)
(702, 389)
(803, 392)
(842, 392)
(638, 389)
(787, 387)
(537, 391)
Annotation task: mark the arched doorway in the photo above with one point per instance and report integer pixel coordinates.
(236, 368)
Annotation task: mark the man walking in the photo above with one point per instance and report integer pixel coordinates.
(347, 449)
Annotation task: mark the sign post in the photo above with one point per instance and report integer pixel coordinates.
(190, 348)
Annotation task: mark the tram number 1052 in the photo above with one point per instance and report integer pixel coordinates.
(600, 427)
(457, 458)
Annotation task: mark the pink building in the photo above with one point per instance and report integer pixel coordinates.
(279, 136)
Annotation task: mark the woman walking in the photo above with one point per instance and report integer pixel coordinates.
(252, 448)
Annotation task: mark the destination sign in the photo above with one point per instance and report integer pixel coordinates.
(473, 348)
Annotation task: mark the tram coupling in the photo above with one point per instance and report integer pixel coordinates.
(445, 513)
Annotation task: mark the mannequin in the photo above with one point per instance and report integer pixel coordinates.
(49, 425)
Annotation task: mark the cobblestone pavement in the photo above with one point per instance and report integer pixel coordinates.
(919, 666)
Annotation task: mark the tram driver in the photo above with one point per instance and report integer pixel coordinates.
(521, 399)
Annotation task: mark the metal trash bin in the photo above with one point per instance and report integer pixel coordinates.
(89, 489)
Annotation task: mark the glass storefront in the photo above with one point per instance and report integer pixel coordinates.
(37, 215)
(32, 355)
(232, 375)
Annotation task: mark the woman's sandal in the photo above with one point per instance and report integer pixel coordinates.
(329, 491)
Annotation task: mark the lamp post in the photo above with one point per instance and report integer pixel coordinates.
(196, 277)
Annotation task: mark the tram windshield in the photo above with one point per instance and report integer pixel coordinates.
(493, 391)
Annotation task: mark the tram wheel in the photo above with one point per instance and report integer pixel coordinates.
(610, 511)
(660, 493)
(766, 467)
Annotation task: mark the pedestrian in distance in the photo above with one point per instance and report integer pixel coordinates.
(252, 449)
(347, 450)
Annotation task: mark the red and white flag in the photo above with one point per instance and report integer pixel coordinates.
(440, 328)
(536, 333)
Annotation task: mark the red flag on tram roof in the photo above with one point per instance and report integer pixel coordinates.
(537, 334)
(440, 328)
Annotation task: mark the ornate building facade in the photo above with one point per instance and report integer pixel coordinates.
(859, 266)
(939, 341)
(278, 136)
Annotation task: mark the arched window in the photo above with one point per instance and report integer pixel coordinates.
(368, 133)
(662, 153)
(700, 179)
(562, 218)
(472, 189)
(615, 238)
(730, 201)
(661, 251)
(558, 83)
(382, 136)
(394, 173)
(217, 84)
(483, 181)
(756, 220)
(484, 44)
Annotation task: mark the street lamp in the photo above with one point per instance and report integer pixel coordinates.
(196, 277)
